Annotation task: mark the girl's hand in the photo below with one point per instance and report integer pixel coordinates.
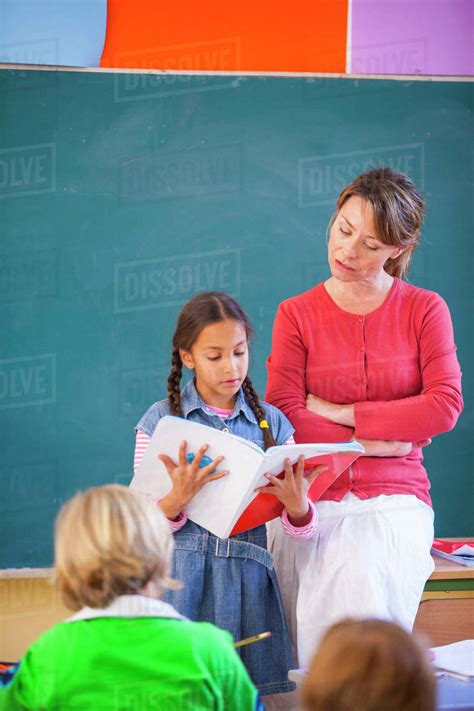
(339, 414)
(187, 479)
(292, 490)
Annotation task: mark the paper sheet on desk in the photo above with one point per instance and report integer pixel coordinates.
(466, 549)
(456, 658)
(466, 560)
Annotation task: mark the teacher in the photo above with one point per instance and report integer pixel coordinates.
(369, 356)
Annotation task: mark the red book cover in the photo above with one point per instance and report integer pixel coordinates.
(266, 506)
(452, 546)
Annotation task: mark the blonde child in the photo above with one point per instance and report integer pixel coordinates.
(369, 665)
(231, 582)
(123, 648)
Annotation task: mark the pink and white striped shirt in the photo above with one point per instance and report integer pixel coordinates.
(296, 532)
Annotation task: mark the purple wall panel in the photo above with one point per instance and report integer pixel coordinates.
(412, 37)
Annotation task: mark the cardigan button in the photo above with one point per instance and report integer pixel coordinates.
(226, 429)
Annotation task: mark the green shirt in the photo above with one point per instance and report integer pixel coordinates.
(131, 664)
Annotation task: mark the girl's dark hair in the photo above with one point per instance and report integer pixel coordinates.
(399, 211)
(202, 310)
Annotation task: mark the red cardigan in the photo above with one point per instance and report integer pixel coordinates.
(397, 364)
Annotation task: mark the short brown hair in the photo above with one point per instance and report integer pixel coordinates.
(399, 210)
(110, 541)
(369, 665)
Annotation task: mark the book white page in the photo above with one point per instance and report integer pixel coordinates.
(218, 505)
(466, 560)
(274, 457)
(466, 549)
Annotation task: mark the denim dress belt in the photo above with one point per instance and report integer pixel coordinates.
(252, 548)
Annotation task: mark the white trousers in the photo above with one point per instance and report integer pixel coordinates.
(369, 558)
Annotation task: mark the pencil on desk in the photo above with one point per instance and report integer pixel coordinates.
(255, 638)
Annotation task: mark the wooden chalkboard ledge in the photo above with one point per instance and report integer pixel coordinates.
(9, 66)
(15, 573)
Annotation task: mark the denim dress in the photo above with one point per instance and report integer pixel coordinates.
(232, 582)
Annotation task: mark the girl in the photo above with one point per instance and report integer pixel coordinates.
(123, 648)
(231, 582)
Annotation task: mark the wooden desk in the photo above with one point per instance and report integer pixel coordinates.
(446, 612)
(29, 605)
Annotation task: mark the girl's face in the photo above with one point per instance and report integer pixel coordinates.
(220, 359)
(355, 253)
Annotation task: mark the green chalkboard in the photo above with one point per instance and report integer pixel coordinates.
(121, 195)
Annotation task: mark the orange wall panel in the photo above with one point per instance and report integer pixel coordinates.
(211, 35)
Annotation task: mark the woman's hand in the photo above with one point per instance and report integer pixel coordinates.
(292, 489)
(187, 479)
(385, 448)
(340, 414)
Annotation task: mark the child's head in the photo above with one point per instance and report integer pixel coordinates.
(369, 665)
(211, 338)
(110, 541)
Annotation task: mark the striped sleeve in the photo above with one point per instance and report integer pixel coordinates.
(141, 443)
(178, 522)
(300, 533)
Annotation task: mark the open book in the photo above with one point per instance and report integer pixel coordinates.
(230, 505)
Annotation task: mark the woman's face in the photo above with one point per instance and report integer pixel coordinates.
(354, 251)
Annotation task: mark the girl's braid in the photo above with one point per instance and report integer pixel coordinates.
(174, 380)
(254, 401)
